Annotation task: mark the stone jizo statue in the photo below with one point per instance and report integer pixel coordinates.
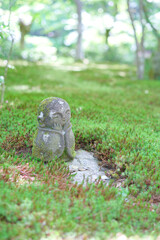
(54, 136)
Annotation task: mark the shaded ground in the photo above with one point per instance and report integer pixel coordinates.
(115, 116)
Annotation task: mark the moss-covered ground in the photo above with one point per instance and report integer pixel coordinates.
(113, 114)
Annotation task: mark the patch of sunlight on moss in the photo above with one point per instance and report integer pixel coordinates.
(120, 236)
(122, 74)
(72, 68)
(25, 88)
(15, 62)
(55, 235)
(111, 66)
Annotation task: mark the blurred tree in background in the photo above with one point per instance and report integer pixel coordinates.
(135, 10)
(92, 30)
(151, 11)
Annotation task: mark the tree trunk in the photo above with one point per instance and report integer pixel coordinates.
(79, 49)
(140, 62)
(22, 41)
(24, 29)
(142, 49)
(140, 58)
(155, 70)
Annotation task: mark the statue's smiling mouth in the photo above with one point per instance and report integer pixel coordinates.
(41, 124)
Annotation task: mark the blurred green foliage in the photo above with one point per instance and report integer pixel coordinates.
(108, 34)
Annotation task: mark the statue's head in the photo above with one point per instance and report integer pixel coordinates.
(54, 113)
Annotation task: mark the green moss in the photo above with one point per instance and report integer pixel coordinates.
(73, 151)
(111, 114)
(43, 106)
(40, 151)
(64, 156)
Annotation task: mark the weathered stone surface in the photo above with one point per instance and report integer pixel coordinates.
(54, 136)
(85, 165)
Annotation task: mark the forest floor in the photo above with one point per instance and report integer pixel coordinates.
(113, 115)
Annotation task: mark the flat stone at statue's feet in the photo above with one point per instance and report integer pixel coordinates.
(85, 165)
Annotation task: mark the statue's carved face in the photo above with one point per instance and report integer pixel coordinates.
(54, 113)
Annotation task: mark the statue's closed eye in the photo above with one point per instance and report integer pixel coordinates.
(54, 116)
